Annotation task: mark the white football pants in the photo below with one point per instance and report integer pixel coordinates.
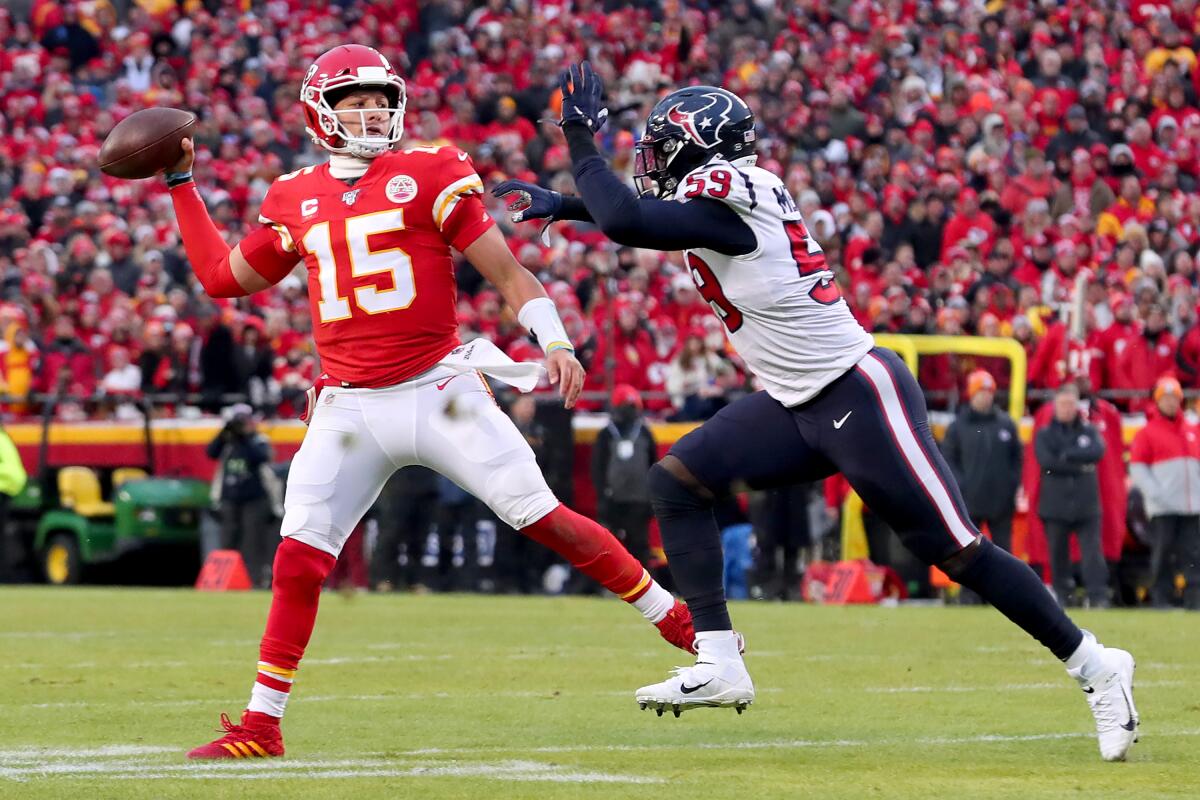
(442, 419)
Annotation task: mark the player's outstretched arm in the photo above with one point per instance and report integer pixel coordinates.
(257, 262)
(530, 201)
(623, 216)
(521, 290)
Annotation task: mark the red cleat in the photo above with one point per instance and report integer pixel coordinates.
(676, 627)
(257, 737)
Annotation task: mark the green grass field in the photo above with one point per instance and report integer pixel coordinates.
(102, 691)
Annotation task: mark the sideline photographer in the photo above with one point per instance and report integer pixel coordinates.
(245, 492)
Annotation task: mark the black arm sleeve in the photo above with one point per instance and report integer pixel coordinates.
(649, 222)
(573, 208)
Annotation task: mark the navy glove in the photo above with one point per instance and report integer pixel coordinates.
(531, 201)
(581, 97)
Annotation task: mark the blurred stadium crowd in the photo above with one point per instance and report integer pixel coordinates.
(968, 168)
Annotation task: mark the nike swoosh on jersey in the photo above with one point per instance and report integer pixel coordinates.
(838, 423)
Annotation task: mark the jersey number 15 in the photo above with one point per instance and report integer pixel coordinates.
(355, 236)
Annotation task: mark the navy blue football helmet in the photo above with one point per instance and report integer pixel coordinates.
(686, 129)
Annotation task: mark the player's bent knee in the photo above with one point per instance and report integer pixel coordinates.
(958, 564)
(300, 567)
(936, 547)
(518, 494)
(671, 495)
(312, 524)
(672, 464)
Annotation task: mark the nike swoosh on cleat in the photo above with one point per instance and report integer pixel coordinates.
(690, 689)
(1131, 724)
(1090, 690)
(442, 385)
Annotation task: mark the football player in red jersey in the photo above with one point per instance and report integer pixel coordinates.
(374, 227)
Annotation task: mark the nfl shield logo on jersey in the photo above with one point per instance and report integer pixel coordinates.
(349, 197)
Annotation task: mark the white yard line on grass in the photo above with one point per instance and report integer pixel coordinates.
(173, 663)
(322, 698)
(128, 762)
(59, 634)
(790, 744)
(141, 769)
(1006, 687)
(23, 754)
(550, 694)
(308, 662)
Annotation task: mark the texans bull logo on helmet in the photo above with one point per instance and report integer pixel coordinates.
(686, 129)
(704, 124)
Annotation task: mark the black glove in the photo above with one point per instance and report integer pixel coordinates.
(582, 91)
(531, 201)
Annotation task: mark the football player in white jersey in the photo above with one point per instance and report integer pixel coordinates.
(833, 401)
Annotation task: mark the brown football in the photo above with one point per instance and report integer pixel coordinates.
(146, 142)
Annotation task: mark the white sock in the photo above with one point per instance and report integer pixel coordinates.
(266, 700)
(655, 603)
(717, 646)
(1087, 661)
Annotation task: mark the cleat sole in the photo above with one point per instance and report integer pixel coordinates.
(661, 706)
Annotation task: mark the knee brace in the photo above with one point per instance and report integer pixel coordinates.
(671, 497)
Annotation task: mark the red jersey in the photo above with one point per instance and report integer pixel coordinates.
(380, 279)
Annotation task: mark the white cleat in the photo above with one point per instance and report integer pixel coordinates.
(1110, 696)
(703, 685)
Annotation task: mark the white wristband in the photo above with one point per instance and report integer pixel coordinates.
(540, 317)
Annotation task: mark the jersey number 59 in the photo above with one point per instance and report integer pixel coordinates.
(710, 290)
(810, 260)
(354, 237)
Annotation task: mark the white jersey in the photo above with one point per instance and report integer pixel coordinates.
(785, 315)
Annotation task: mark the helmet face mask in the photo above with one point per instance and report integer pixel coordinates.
(685, 130)
(335, 74)
(652, 166)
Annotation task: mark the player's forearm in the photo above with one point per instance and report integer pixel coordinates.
(648, 221)
(206, 250)
(573, 208)
(537, 313)
(519, 288)
(610, 203)
(515, 284)
(261, 260)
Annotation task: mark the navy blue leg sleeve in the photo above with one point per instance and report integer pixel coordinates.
(692, 543)
(1015, 590)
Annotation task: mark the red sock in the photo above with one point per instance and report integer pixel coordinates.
(592, 550)
(299, 572)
